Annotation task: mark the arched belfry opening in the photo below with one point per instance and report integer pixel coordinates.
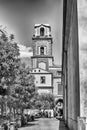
(59, 101)
(42, 50)
(42, 31)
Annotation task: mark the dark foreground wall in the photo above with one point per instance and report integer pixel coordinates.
(70, 64)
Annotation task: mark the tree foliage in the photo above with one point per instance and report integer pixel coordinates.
(45, 101)
(9, 53)
(15, 80)
(24, 89)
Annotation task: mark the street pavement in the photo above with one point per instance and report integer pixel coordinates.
(42, 124)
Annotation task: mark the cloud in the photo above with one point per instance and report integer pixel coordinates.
(25, 51)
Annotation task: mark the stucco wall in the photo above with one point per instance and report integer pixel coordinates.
(47, 61)
(56, 81)
(71, 67)
(48, 82)
(34, 63)
(48, 90)
(50, 61)
(46, 43)
(46, 31)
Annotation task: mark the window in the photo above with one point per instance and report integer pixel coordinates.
(41, 31)
(60, 89)
(42, 80)
(42, 50)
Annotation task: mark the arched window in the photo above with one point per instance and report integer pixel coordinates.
(41, 31)
(42, 50)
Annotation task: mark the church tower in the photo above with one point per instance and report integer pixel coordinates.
(47, 74)
(42, 47)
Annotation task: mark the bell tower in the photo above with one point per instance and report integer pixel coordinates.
(42, 47)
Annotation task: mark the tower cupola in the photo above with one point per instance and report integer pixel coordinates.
(42, 30)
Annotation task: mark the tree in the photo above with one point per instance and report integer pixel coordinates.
(45, 101)
(9, 63)
(24, 88)
(15, 79)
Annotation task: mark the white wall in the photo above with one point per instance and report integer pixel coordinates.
(50, 61)
(34, 63)
(46, 31)
(44, 91)
(45, 43)
(48, 80)
(56, 81)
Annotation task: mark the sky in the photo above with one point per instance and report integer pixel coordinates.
(20, 16)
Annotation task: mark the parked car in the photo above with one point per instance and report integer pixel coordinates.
(30, 117)
(37, 113)
(29, 114)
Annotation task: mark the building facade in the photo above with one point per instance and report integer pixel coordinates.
(47, 75)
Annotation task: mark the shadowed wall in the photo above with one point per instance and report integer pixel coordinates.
(70, 64)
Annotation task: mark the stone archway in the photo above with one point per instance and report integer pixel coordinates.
(59, 106)
(59, 100)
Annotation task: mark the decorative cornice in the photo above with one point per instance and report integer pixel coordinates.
(39, 25)
(41, 73)
(55, 66)
(42, 38)
(56, 77)
(45, 87)
(40, 56)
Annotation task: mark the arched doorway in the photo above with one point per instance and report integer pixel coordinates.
(59, 107)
